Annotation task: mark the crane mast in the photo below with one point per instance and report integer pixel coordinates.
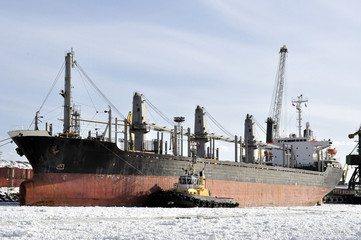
(273, 121)
(69, 64)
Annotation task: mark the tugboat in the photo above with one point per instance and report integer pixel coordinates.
(190, 191)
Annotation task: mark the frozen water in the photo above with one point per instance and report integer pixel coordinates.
(318, 222)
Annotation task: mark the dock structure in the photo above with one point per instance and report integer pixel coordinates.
(350, 193)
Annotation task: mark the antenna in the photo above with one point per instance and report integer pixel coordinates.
(298, 104)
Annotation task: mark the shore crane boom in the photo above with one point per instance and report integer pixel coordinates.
(273, 121)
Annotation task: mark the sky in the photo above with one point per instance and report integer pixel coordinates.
(222, 55)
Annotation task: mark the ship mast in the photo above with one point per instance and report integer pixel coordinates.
(139, 121)
(200, 131)
(298, 104)
(69, 64)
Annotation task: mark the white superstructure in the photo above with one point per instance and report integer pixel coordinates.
(299, 151)
(302, 150)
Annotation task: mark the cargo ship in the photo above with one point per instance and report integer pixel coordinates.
(99, 170)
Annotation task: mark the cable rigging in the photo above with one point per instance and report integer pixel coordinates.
(150, 113)
(6, 139)
(230, 135)
(168, 120)
(98, 90)
(51, 89)
(91, 99)
(259, 125)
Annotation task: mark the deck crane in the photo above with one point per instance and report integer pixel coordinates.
(273, 120)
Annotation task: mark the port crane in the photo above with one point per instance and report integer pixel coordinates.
(273, 121)
(352, 194)
(353, 159)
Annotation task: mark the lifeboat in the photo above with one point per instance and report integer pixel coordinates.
(332, 151)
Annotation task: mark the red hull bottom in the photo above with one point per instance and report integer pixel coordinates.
(52, 189)
(9, 182)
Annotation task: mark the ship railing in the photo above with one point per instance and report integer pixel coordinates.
(186, 186)
(137, 154)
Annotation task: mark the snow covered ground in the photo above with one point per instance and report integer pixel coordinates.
(14, 164)
(319, 222)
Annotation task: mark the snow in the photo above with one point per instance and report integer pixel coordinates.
(10, 194)
(9, 189)
(318, 222)
(14, 164)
